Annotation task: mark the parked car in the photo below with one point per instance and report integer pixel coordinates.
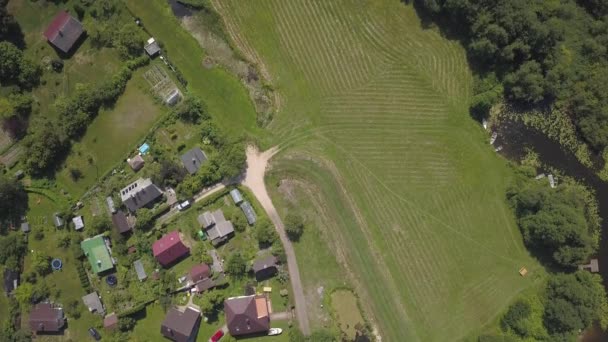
(184, 205)
(217, 336)
(94, 334)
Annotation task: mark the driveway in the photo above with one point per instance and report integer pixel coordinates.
(254, 180)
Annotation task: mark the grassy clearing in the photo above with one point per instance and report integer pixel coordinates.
(344, 304)
(110, 137)
(406, 190)
(223, 94)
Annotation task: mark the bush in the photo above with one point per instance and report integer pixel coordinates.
(517, 314)
(294, 226)
(236, 265)
(265, 233)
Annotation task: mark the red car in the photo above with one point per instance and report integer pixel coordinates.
(217, 336)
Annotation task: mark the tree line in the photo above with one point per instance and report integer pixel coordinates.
(535, 53)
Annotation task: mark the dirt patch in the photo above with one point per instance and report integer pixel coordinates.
(287, 189)
(350, 320)
(208, 62)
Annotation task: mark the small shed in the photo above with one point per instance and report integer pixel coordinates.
(110, 322)
(93, 303)
(139, 269)
(152, 48)
(249, 212)
(57, 220)
(136, 163)
(144, 148)
(236, 196)
(110, 203)
(25, 227)
(78, 222)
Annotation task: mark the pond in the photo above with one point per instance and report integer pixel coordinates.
(348, 315)
(179, 10)
(515, 138)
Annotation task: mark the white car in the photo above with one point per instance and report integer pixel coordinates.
(183, 206)
(275, 331)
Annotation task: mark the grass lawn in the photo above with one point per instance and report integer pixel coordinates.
(64, 285)
(405, 190)
(110, 137)
(225, 97)
(344, 304)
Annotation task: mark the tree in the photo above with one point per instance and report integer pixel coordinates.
(43, 147)
(73, 309)
(212, 302)
(126, 323)
(13, 200)
(264, 232)
(527, 84)
(238, 221)
(233, 160)
(11, 247)
(294, 226)
(41, 263)
(129, 41)
(236, 265)
(23, 294)
(516, 317)
(145, 219)
(573, 302)
(191, 110)
(10, 61)
(279, 251)
(98, 225)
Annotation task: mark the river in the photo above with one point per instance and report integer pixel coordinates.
(515, 137)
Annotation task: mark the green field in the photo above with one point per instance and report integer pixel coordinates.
(375, 132)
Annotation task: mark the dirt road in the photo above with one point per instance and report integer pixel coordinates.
(254, 180)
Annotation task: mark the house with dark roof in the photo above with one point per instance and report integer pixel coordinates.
(45, 318)
(119, 219)
(169, 248)
(264, 268)
(217, 228)
(193, 160)
(247, 315)
(64, 31)
(199, 272)
(139, 194)
(11, 281)
(181, 326)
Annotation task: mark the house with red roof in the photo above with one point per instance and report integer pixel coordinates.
(64, 31)
(169, 248)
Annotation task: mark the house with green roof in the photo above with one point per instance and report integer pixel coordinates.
(98, 254)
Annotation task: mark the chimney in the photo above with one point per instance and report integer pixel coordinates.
(60, 33)
(193, 160)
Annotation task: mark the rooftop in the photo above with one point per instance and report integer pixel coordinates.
(236, 196)
(64, 31)
(193, 159)
(247, 315)
(97, 253)
(180, 325)
(169, 248)
(139, 269)
(139, 194)
(249, 212)
(93, 303)
(119, 219)
(136, 163)
(44, 317)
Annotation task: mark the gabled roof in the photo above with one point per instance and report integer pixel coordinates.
(136, 163)
(220, 230)
(46, 318)
(236, 196)
(264, 263)
(139, 194)
(180, 326)
(119, 219)
(247, 315)
(93, 303)
(110, 322)
(169, 248)
(193, 159)
(64, 31)
(97, 253)
(199, 272)
(249, 212)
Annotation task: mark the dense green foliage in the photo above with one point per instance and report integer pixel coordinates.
(15, 68)
(516, 317)
(12, 249)
(265, 233)
(236, 265)
(555, 222)
(13, 201)
(542, 51)
(294, 226)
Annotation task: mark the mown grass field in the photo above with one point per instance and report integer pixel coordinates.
(407, 193)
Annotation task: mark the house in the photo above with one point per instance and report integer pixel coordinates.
(110, 203)
(193, 160)
(136, 163)
(64, 31)
(139, 269)
(152, 48)
(181, 326)
(97, 252)
(265, 268)
(11, 281)
(236, 196)
(25, 227)
(119, 219)
(57, 220)
(169, 248)
(93, 303)
(217, 228)
(78, 222)
(110, 322)
(249, 212)
(44, 317)
(247, 315)
(139, 194)
(199, 272)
